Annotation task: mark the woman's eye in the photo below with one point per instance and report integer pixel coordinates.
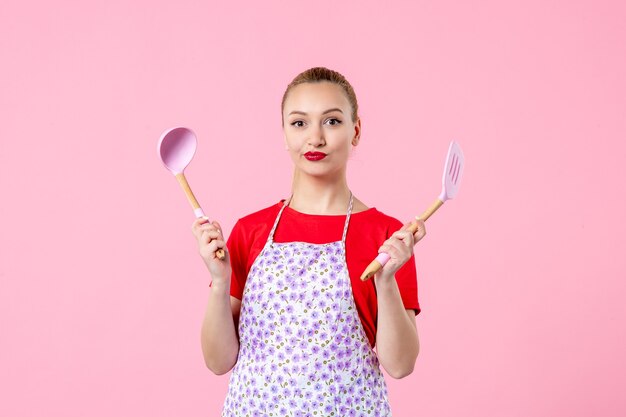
(336, 120)
(295, 123)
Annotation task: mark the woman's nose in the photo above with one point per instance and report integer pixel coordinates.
(316, 137)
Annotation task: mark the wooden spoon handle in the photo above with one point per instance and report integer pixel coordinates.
(187, 189)
(195, 205)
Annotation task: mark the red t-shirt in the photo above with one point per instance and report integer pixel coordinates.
(367, 231)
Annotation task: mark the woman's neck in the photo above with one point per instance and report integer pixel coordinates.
(314, 195)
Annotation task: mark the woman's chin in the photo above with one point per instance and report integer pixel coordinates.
(318, 172)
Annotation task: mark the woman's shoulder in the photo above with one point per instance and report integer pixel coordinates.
(260, 217)
(372, 213)
(376, 222)
(386, 217)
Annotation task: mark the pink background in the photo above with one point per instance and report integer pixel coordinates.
(521, 278)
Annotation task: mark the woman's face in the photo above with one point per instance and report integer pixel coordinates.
(319, 132)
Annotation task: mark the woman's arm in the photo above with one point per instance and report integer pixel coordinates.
(396, 335)
(220, 344)
(218, 336)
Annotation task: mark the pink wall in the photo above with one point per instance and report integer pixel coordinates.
(521, 279)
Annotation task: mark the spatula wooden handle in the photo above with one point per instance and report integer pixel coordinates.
(195, 205)
(376, 265)
(433, 208)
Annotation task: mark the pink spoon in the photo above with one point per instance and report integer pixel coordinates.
(176, 148)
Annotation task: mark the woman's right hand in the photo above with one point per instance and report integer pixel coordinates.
(210, 239)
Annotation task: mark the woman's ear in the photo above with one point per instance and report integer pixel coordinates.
(285, 140)
(357, 132)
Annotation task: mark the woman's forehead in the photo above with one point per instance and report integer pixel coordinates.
(316, 98)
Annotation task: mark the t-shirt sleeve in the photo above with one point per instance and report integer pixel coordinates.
(239, 250)
(406, 276)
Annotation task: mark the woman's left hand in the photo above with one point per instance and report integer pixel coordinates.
(399, 247)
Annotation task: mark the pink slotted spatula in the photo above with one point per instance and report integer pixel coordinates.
(176, 148)
(452, 173)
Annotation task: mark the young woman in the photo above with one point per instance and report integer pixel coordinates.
(287, 311)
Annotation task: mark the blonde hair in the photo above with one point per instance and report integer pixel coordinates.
(319, 74)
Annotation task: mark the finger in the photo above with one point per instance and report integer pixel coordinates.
(415, 223)
(211, 226)
(209, 229)
(400, 234)
(218, 228)
(390, 250)
(199, 233)
(209, 235)
(402, 247)
(215, 245)
(196, 224)
(386, 245)
(407, 225)
(200, 220)
(385, 248)
(393, 245)
(421, 230)
(212, 234)
(405, 236)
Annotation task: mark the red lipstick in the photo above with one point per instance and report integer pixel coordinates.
(315, 156)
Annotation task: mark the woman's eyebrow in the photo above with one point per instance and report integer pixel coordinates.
(327, 111)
